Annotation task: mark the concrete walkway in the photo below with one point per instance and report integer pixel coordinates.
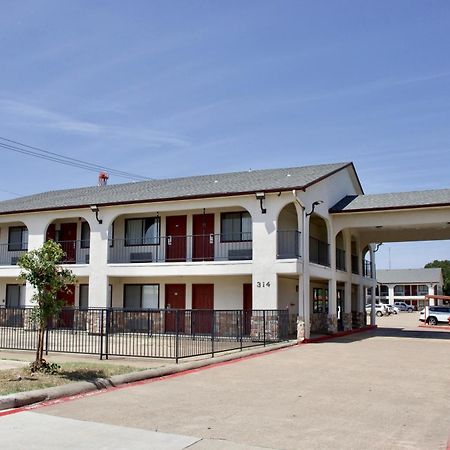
(6, 364)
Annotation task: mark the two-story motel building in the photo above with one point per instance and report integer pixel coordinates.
(263, 239)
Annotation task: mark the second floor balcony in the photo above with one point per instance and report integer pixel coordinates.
(189, 248)
(288, 244)
(319, 252)
(11, 252)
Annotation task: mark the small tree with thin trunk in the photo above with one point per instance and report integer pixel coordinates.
(41, 269)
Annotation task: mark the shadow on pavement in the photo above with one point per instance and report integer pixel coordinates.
(392, 332)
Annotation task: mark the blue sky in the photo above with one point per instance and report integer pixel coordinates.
(174, 88)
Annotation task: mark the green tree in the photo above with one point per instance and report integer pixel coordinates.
(41, 269)
(445, 266)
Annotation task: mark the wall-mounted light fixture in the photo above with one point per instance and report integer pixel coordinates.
(313, 206)
(94, 209)
(261, 197)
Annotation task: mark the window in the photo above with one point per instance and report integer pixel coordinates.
(83, 302)
(14, 295)
(17, 239)
(320, 300)
(399, 290)
(85, 235)
(236, 226)
(384, 290)
(141, 296)
(143, 231)
(422, 289)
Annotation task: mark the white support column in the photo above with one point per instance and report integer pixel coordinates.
(374, 285)
(362, 321)
(303, 319)
(348, 306)
(332, 287)
(265, 280)
(332, 306)
(431, 292)
(98, 254)
(391, 294)
(305, 294)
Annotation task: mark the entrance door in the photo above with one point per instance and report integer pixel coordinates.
(66, 315)
(176, 238)
(247, 308)
(203, 231)
(68, 239)
(202, 308)
(175, 299)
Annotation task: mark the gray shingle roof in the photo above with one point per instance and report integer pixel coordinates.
(396, 200)
(409, 276)
(170, 189)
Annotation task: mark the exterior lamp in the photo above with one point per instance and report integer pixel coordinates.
(261, 197)
(313, 206)
(94, 209)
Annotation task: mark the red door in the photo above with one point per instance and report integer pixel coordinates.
(66, 315)
(68, 241)
(202, 308)
(176, 238)
(203, 239)
(247, 308)
(175, 299)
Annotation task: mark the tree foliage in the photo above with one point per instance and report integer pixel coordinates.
(42, 270)
(445, 266)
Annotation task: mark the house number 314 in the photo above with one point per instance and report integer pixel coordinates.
(263, 284)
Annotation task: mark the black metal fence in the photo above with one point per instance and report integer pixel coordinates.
(319, 252)
(202, 247)
(161, 333)
(367, 268)
(288, 244)
(10, 253)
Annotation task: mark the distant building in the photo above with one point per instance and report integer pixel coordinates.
(408, 285)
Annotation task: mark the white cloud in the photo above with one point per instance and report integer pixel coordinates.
(32, 115)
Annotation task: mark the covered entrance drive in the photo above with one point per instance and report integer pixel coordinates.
(399, 217)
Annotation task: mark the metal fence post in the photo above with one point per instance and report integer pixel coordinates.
(101, 334)
(212, 332)
(264, 327)
(108, 314)
(241, 327)
(46, 339)
(176, 334)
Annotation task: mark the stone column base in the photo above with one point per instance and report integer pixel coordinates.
(301, 331)
(348, 325)
(332, 323)
(361, 319)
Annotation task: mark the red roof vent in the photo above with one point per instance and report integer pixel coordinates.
(103, 179)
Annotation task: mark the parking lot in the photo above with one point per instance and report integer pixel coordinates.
(386, 389)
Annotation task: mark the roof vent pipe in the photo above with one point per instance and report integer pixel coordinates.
(103, 179)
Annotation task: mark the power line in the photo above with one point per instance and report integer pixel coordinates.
(11, 193)
(37, 152)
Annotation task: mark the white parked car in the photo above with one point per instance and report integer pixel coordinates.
(432, 315)
(393, 309)
(380, 309)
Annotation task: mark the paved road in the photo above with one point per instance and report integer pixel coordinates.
(388, 389)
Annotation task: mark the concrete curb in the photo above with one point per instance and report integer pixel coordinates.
(21, 399)
(339, 334)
